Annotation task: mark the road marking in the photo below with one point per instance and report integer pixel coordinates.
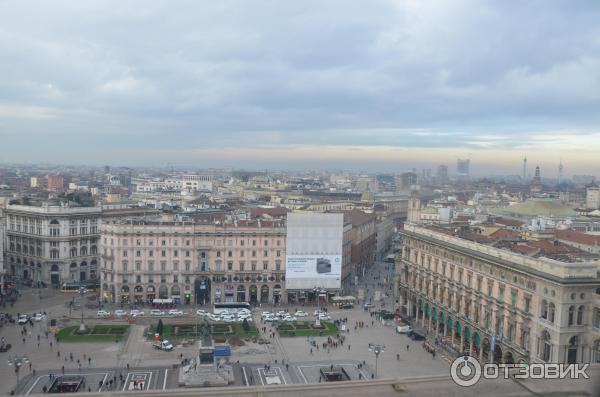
(165, 380)
(245, 376)
(79, 374)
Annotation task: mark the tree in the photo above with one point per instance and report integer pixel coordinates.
(159, 327)
(245, 325)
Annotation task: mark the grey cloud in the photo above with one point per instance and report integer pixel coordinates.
(233, 73)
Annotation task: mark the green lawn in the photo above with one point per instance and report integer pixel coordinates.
(96, 333)
(190, 331)
(304, 328)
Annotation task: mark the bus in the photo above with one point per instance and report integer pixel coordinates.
(72, 288)
(232, 307)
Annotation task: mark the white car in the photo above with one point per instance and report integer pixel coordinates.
(289, 319)
(39, 317)
(300, 313)
(23, 319)
(103, 313)
(136, 313)
(270, 318)
(120, 313)
(212, 317)
(244, 311)
(202, 312)
(282, 313)
(324, 316)
(175, 312)
(266, 314)
(156, 312)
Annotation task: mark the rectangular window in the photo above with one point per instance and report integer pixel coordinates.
(151, 266)
(163, 267)
(241, 266)
(265, 265)
(278, 253)
(163, 253)
(254, 254)
(253, 266)
(229, 265)
(266, 243)
(187, 266)
(513, 298)
(278, 266)
(265, 253)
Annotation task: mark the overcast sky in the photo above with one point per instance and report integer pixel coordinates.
(377, 85)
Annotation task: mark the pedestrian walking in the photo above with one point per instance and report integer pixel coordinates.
(407, 347)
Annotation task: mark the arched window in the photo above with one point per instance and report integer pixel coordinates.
(551, 311)
(580, 315)
(545, 346)
(571, 315)
(544, 313)
(83, 251)
(54, 228)
(73, 252)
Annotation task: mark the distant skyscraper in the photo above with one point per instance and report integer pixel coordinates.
(525, 168)
(560, 172)
(536, 182)
(462, 168)
(442, 173)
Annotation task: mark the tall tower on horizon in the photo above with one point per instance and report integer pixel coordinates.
(525, 168)
(560, 172)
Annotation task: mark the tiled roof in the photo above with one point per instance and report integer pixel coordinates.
(577, 237)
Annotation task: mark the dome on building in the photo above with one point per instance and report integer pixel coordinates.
(533, 208)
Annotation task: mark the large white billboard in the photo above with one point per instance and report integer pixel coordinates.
(314, 251)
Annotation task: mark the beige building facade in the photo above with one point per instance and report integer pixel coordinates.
(193, 263)
(496, 305)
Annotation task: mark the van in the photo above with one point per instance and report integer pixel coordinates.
(403, 329)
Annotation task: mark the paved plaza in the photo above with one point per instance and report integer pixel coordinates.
(289, 360)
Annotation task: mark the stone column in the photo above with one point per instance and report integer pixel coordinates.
(423, 318)
(429, 322)
(471, 347)
(453, 333)
(462, 340)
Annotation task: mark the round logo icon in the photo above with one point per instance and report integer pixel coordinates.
(465, 371)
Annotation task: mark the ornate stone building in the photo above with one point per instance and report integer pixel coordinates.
(51, 244)
(193, 263)
(497, 305)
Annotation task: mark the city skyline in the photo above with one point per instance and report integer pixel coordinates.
(312, 84)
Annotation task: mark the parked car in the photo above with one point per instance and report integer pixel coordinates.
(270, 318)
(23, 319)
(136, 313)
(202, 312)
(368, 305)
(103, 313)
(156, 312)
(324, 316)
(244, 311)
(39, 317)
(175, 312)
(289, 319)
(163, 345)
(5, 347)
(120, 313)
(403, 329)
(301, 313)
(346, 306)
(212, 317)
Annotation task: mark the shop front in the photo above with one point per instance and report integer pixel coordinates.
(125, 295)
(150, 294)
(229, 294)
(138, 294)
(276, 294)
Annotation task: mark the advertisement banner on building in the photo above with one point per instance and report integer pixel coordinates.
(327, 268)
(314, 251)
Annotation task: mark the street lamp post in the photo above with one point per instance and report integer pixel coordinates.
(377, 350)
(81, 293)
